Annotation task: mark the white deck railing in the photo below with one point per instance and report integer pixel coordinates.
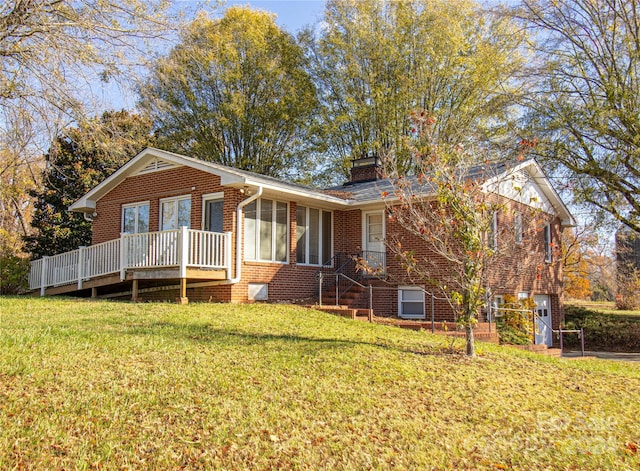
(177, 248)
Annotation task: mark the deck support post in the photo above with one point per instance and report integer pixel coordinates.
(94, 292)
(43, 275)
(183, 241)
(134, 291)
(183, 292)
(81, 250)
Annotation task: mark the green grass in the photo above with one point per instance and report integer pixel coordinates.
(98, 385)
(603, 307)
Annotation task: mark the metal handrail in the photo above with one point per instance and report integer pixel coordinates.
(561, 331)
(353, 282)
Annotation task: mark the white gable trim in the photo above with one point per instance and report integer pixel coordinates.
(146, 161)
(139, 164)
(527, 184)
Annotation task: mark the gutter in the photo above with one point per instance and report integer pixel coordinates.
(241, 205)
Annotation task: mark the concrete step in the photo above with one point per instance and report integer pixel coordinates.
(541, 349)
(343, 311)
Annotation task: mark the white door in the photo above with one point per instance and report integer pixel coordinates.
(373, 239)
(544, 330)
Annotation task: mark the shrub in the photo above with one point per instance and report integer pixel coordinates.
(628, 297)
(612, 332)
(14, 274)
(515, 321)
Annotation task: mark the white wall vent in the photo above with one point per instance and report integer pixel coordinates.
(156, 165)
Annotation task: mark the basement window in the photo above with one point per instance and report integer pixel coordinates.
(411, 302)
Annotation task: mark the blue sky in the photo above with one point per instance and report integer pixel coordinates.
(292, 15)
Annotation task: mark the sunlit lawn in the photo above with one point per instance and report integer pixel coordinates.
(605, 307)
(97, 385)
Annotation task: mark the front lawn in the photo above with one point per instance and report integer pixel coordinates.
(102, 385)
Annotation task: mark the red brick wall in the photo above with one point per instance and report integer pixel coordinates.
(153, 187)
(521, 268)
(290, 281)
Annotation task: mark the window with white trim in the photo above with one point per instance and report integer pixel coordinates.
(411, 302)
(135, 218)
(313, 236)
(266, 231)
(493, 231)
(498, 300)
(518, 228)
(548, 244)
(213, 212)
(175, 212)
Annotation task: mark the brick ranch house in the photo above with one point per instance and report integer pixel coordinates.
(167, 226)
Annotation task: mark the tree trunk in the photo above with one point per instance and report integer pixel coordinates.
(471, 343)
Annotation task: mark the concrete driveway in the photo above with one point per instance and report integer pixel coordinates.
(604, 355)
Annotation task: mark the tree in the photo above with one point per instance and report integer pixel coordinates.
(79, 159)
(233, 91)
(453, 216)
(628, 269)
(43, 42)
(54, 54)
(375, 60)
(575, 266)
(587, 99)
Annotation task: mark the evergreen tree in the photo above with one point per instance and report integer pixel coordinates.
(78, 160)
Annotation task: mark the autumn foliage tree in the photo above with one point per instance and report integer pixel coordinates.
(449, 208)
(373, 60)
(54, 57)
(233, 91)
(576, 268)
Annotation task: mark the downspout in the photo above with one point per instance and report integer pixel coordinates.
(241, 205)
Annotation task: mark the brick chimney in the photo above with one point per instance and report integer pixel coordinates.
(366, 169)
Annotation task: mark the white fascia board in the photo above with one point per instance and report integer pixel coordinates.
(536, 173)
(302, 195)
(88, 202)
(228, 177)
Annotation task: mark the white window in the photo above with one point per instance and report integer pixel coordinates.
(498, 300)
(313, 236)
(493, 231)
(175, 213)
(523, 295)
(411, 302)
(135, 218)
(213, 212)
(266, 231)
(518, 228)
(548, 244)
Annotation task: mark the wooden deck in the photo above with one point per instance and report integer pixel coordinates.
(135, 264)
